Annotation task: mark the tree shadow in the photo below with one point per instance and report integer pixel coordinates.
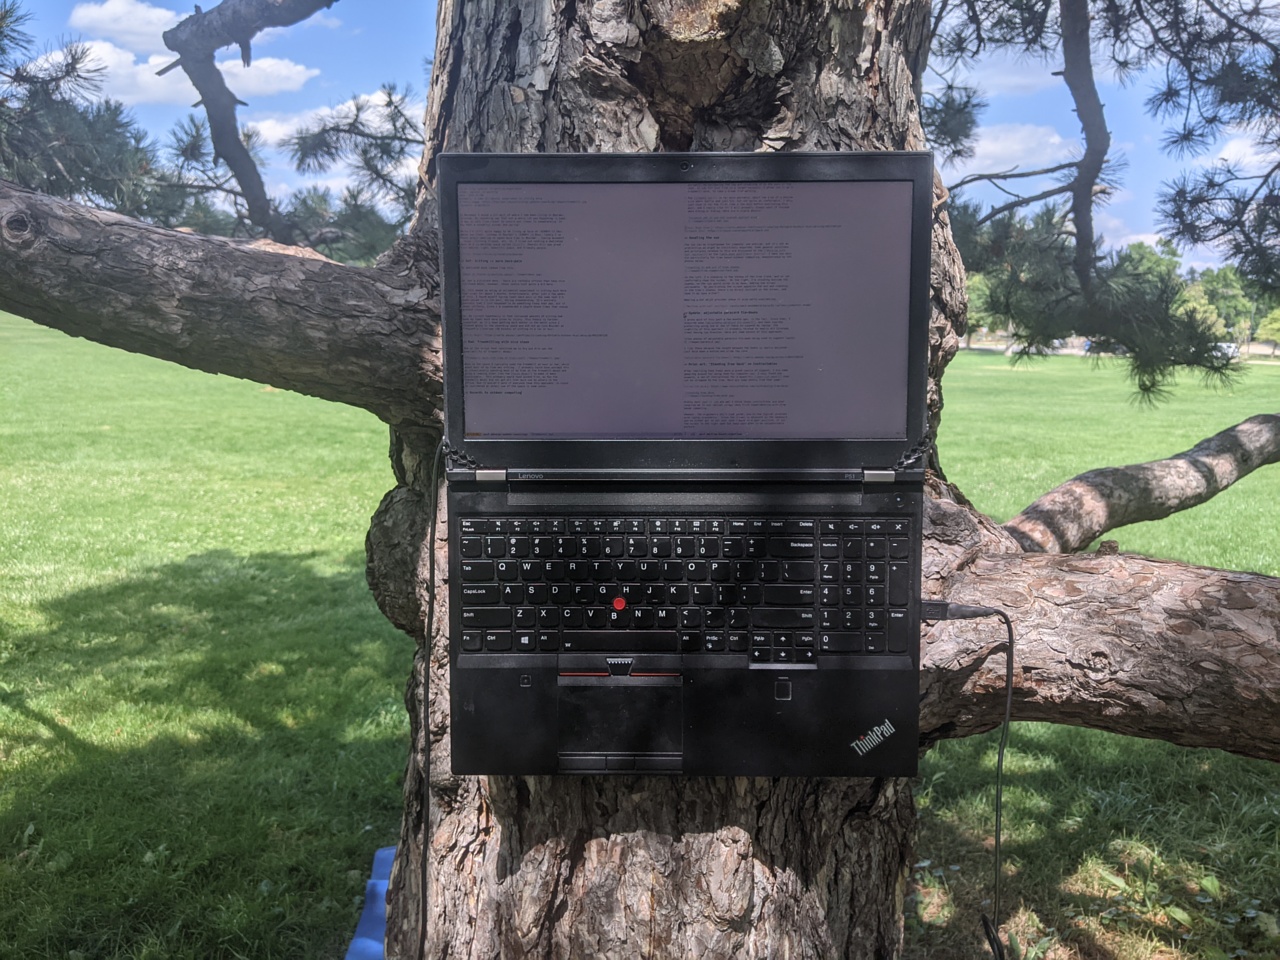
(1097, 850)
(199, 761)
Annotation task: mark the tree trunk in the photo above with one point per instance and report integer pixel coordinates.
(635, 866)
(645, 866)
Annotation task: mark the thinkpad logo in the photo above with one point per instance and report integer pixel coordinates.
(872, 738)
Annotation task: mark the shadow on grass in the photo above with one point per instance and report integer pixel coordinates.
(1107, 843)
(199, 761)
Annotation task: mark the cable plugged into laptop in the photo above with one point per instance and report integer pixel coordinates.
(942, 610)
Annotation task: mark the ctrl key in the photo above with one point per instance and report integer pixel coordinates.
(497, 639)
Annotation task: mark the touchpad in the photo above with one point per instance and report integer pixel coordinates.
(621, 718)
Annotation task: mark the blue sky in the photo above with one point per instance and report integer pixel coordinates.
(345, 51)
(356, 45)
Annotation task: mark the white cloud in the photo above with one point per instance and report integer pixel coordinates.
(999, 75)
(1009, 146)
(1244, 153)
(134, 81)
(275, 127)
(133, 24)
(1116, 233)
(266, 76)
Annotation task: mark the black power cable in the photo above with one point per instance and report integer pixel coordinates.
(433, 500)
(940, 610)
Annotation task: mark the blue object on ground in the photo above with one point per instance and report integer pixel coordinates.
(372, 928)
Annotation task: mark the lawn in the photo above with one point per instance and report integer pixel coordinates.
(201, 727)
(202, 733)
(1120, 849)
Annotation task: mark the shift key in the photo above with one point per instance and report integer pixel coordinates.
(777, 618)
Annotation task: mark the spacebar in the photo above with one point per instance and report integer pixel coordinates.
(618, 641)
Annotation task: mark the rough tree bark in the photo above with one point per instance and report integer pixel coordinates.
(652, 867)
(1071, 516)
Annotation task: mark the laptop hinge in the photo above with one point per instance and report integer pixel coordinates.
(491, 476)
(878, 476)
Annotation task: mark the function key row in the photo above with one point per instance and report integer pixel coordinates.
(580, 526)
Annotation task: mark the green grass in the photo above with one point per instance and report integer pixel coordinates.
(1119, 849)
(202, 733)
(201, 727)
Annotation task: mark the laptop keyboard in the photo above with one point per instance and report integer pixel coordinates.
(762, 590)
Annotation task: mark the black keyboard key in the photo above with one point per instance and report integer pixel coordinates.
(792, 546)
(798, 570)
(899, 549)
(898, 633)
(774, 618)
(472, 547)
(473, 617)
(476, 570)
(518, 546)
(840, 642)
(619, 641)
(737, 642)
(899, 584)
(525, 616)
(472, 641)
(713, 617)
(789, 595)
(506, 569)
(526, 641)
(876, 548)
(497, 640)
(480, 594)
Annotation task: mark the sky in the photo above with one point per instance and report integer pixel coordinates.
(348, 50)
(356, 45)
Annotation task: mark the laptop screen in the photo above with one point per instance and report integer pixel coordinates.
(686, 311)
(731, 298)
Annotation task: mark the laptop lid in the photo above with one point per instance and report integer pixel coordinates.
(708, 316)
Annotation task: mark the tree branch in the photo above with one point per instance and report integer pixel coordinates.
(1077, 71)
(195, 40)
(1012, 174)
(1073, 515)
(1120, 643)
(363, 336)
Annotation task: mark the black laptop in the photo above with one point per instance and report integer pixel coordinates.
(685, 402)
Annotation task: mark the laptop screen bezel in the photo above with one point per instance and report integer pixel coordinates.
(678, 457)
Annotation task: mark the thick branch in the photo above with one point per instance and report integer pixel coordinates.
(195, 40)
(363, 336)
(1121, 643)
(1073, 515)
(1078, 73)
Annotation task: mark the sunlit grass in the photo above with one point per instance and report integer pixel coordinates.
(201, 726)
(1117, 848)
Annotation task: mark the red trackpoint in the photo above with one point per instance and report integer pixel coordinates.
(619, 603)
